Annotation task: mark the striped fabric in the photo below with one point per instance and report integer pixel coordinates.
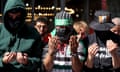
(62, 62)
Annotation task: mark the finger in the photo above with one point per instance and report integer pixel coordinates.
(92, 48)
(25, 60)
(6, 54)
(19, 54)
(95, 50)
(10, 57)
(94, 45)
(25, 54)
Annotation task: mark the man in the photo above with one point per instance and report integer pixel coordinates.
(116, 28)
(41, 25)
(103, 50)
(64, 52)
(19, 44)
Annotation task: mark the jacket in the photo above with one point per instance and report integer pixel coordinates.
(26, 40)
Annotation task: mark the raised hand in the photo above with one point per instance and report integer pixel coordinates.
(112, 47)
(73, 44)
(22, 58)
(53, 42)
(9, 57)
(92, 50)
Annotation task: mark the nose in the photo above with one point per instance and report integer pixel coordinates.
(41, 28)
(14, 16)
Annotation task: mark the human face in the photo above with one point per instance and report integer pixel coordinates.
(81, 31)
(14, 19)
(14, 15)
(60, 31)
(116, 30)
(64, 32)
(41, 28)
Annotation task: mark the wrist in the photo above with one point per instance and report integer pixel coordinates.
(90, 57)
(51, 53)
(74, 54)
(114, 54)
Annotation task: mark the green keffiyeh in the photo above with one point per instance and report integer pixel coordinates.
(63, 22)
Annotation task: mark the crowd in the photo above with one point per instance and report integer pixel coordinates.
(69, 47)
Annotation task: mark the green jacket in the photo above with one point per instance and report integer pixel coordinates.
(26, 40)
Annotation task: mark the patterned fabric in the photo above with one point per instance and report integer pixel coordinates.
(62, 61)
(103, 59)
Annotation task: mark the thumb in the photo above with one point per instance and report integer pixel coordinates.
(49, 37)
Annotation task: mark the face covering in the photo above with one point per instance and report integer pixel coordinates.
(64, 33)
(103, 35)
(13, 24)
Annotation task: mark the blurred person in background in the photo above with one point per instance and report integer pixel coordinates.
(41, 25)
(116, 28)
(103, 50)
(81, 28)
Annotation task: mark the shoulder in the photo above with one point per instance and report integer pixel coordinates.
(92, 38)
(30, 32)
(1, 26)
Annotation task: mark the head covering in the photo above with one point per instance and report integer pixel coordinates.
(101, 26)
(102, 13)
(14, 6)
(62, 18)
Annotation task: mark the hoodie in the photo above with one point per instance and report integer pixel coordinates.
(25, 39)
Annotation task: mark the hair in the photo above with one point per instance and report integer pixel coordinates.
(81, 24)
(42, 19)
(116, 19)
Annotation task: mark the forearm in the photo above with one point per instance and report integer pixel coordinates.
(77, 65)
(89, 62)
(48, 62)
(116, 61)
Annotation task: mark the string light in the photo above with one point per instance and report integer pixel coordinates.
(69, 10)
(27, 4)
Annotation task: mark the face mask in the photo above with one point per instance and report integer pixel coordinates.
(14, 23)
(64, 33)
(103, 35)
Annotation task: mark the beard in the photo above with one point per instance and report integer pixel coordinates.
(64, 34)
(14, 25)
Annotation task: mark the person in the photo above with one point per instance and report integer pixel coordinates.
(81, 28)
(116, 20)
(41, 25)
(64, 52)
(20, 45)
(116, 28)
(103, 50)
